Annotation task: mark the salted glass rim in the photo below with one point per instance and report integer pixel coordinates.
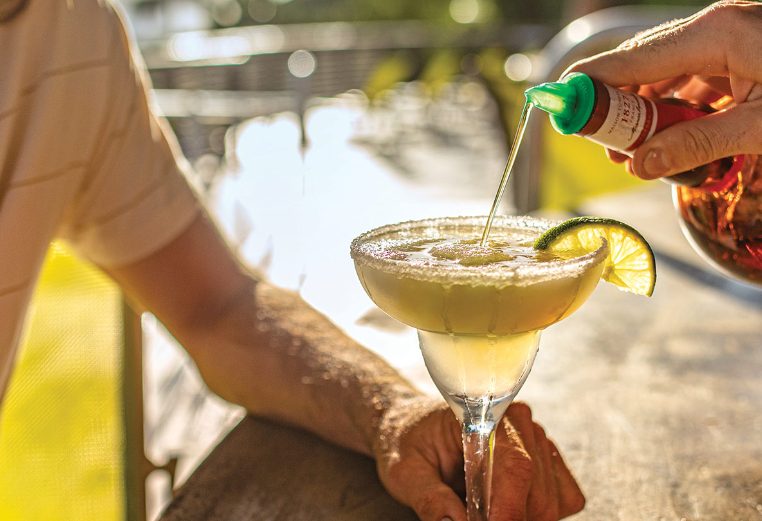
(365, 252)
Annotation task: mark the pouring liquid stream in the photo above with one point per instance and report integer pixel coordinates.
(508, 168)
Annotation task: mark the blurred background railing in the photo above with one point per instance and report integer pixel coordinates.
(207, 79)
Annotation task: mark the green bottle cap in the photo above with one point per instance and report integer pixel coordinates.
(569, 102)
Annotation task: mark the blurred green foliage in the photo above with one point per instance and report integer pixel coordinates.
(354, 10)
(508, 95)
(440, 69)
(393, 69)
(550, 12)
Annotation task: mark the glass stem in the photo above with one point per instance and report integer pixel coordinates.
(478, 449)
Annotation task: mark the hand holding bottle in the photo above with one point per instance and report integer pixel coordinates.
(701, 58)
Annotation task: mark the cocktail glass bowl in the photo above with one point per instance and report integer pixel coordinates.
(478, 325)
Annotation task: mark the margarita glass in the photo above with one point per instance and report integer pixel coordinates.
(479, 311)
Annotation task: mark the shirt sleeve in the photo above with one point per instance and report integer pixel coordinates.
(135, 198)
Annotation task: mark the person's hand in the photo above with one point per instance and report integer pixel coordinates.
(420, 462)
(713, 53)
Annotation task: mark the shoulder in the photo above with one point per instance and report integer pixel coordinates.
(10, 8)
(75, 29)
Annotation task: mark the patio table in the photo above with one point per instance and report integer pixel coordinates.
(656, 405)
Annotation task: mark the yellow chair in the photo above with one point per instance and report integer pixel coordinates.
(71, 438)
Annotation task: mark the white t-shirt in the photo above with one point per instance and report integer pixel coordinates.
(81, 155)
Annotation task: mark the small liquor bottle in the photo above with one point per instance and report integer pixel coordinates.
(719, 204)
(622, 121)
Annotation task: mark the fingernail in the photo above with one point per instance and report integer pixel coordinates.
(656, 164)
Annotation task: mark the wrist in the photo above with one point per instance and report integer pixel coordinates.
(395, 418)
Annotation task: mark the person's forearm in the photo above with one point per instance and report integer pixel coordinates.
(272, 353)
(263, 347)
